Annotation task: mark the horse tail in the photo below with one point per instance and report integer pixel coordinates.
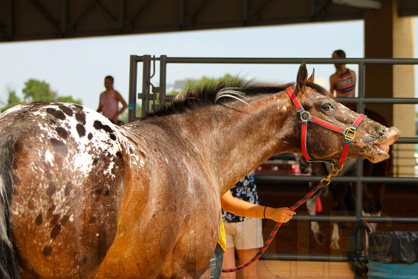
(9, 268)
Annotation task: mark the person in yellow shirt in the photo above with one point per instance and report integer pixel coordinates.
(246, 209)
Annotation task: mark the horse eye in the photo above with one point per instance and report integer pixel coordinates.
(327, 107)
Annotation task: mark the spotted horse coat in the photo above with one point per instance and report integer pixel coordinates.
(70, 161)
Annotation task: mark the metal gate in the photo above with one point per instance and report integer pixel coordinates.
(149, 97)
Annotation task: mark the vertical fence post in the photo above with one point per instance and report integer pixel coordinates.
(146, 76)
(163, 80)
(132, 87)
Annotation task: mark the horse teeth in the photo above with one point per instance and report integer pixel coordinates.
(383, 147)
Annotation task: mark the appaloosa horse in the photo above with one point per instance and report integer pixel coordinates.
(344, 193)
(82, 198)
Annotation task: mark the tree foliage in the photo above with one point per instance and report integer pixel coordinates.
(12, 100)
(203, 82)
(209, 81)
(36, 90)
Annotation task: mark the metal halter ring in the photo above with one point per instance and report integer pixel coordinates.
(302, 115)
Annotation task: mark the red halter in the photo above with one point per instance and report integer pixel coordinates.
(349, 133)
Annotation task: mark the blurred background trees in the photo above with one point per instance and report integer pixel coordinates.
(36, 90)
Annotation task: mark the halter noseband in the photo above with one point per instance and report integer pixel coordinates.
(306, 117)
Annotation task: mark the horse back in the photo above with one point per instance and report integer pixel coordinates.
(67, 169)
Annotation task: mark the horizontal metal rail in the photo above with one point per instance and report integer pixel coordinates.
(306, 178)
(407, 140)
(272, 60)
(297, 257)
(356, 100)
(346, 219)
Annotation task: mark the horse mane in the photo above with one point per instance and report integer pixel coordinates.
(218, 93)
(319, 89)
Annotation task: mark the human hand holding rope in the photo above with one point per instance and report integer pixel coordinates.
(322, 184)
(279, 215)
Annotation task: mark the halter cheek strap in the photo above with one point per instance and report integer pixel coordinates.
(306, 117)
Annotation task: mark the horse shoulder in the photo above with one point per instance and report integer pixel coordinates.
(168, 209)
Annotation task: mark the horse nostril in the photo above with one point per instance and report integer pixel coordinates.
(368, 139)
(374, 128)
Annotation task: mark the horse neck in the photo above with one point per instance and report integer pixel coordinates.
(234, 141)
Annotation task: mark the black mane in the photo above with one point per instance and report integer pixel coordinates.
(319, 89)
(220, 93)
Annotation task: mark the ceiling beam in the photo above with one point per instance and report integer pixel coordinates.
(46, 14)
(320, 12)
(3, 29)
(131, 23)
(364, 4)
(64, 17)
(73, 25)
(192, 19)
(104, 11)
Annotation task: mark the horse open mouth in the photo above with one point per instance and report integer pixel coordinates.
(381, 148)
(384, 147)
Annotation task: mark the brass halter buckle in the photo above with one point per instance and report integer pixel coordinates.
(350, 134)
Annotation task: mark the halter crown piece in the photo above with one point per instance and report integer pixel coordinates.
(306, 117)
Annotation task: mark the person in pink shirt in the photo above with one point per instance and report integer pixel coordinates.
(109, 102)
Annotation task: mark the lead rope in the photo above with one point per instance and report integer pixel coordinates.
(323, 183)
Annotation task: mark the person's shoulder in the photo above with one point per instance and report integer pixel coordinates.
(333, 76)
(119, 96)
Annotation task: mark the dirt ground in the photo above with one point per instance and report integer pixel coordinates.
(296, 237)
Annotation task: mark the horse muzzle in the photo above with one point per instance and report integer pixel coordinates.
(376, 149)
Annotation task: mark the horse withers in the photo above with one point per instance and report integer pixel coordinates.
(83, 198)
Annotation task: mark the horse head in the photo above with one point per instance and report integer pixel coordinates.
(370, 140)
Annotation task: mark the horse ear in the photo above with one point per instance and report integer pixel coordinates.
(312, 77)
(302, 76)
